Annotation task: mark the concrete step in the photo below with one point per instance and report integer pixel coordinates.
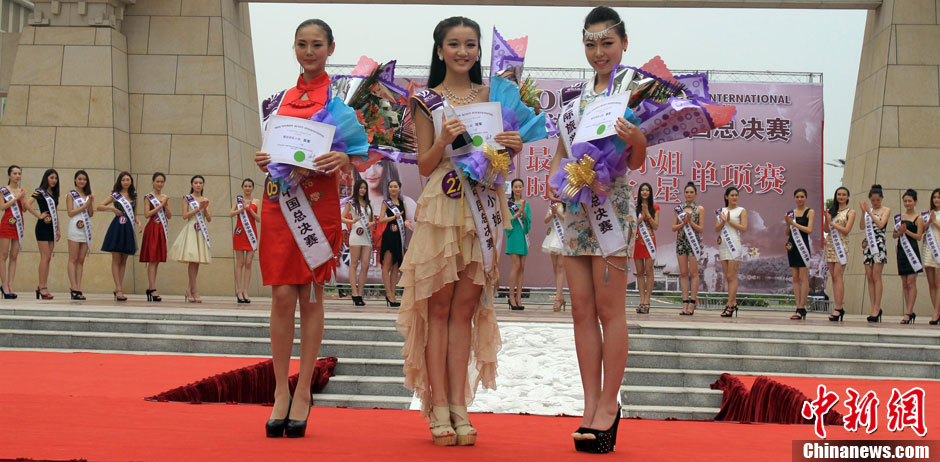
(165, 343)
(666, 412)
(640, 395)
(369, 367)
(189, 327)
(203, 315)
(794, 348)
(877, 333)
(364, 385)
(361, 401)
(771, 365)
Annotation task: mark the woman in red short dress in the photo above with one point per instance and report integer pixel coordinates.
(9, 235)
(244, 243)
(283, 265)
(647, 213)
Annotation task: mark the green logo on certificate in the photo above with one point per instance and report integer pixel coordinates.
(601, 129)
(299, 156)
(478, 141)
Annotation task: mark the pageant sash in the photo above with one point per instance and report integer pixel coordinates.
(609, 236)
(870, 235)
(487, 219)
(161, 215)
(513, 209)
(648, 239)
(308, 235)
(838, 245)
(365, 223)
(14, 210)
(798, 240)
(906, 245)
(560, 229)
(726, 236)
(126, 205)
(570, 118)
(689, 233)
(246, 225)
(399, 221)
(53, 214)
(200, 219)
(930, 239)
(86, 218)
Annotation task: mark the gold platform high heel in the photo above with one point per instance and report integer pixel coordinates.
(442, 433)
(466, 434)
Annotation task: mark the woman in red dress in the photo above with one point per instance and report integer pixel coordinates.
(9, 236)
(244, 242)
(153, 247)
(283, 254)
(647, 213)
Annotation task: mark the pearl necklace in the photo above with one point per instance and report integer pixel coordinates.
(450, 96)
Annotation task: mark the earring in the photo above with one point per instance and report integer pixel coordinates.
(439, 57)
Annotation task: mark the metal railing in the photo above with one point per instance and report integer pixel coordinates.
(413, 71)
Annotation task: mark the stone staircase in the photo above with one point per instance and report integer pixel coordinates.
(669, 370)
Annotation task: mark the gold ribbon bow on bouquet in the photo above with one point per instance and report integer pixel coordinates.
(581, 175)
(499, 164)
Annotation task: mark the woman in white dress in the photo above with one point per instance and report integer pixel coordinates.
(733, 219)
(360, 239)
(77, 236)
(553, 247)
(931, 263)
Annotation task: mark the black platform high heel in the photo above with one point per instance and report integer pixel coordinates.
(389, 303)
(730, 311)
(875, 318)
(274, 428)
(840, 313)
(7, 296)
(910, 318)
(934, 322)
(297, 428)
(40, 295)
(76, 295)
(580, 444)
(799, 315)
(153, 298)
(605, 440)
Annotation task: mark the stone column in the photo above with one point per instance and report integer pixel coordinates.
(894, 138)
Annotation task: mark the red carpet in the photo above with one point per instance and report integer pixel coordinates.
(63, 406)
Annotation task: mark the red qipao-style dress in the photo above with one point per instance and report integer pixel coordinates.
(281, 260)
(240, 239)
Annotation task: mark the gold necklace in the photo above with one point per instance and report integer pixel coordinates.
(450, 96)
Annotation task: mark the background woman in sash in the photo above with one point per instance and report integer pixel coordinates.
(598, 284)
(840, 216)
(359, 208)
(646, 212)
(190, 246)
(930, 263)
(517, 242)
(912, 229)
(283, 265)
(392, 248)
(688, 263)
(803, 221)
(553, 247)
(78, 239)
(9, 236)
(244, 254)
(875, 261)
(120, 240)
(46, 234)
(444, 314)
(153, 246)
(734, 219)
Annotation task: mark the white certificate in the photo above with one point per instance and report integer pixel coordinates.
(483, 121)
(295, 141)
(600, 117)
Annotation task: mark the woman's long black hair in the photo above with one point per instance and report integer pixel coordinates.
(649, 200)
(44, 184)
(131, 191)
(87, 188)
(438, 68)
(191, 190)
(359, 198)
(834, 208)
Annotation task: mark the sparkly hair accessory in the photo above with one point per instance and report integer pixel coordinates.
(600, 34)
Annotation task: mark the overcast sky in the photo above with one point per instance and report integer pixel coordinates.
(720, 39)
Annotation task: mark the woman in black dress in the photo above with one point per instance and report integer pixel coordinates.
(47, 226)
(393, 245)
(802, 219)
(120, 240)
(911, 229)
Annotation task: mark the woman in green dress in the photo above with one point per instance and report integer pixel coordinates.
(517, 242)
